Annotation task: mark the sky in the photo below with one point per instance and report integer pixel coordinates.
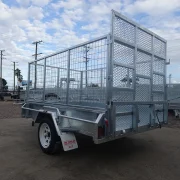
(63, 23)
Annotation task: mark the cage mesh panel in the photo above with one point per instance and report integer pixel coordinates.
(36, 94)
(58, 60)
(158, 65)
(143, 89)
(144, 40)
(91, 89)
(141, 57)
(143, 68)
(123, 54)
(124, 30)
(147, 72)
(51, 84)
(144, 115)
(62, 88)
(123, 122)
(74, 86)
(158, 82)
(159, 47)
(95, 56)
(122, 77)
(32, 78)
(122, 96)
(158, 97)
(95, 92)
(32, 74)
(40, 75)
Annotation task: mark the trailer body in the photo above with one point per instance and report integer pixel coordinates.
(173, 97)
(107, 88)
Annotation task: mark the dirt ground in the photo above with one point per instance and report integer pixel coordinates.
(154, 155)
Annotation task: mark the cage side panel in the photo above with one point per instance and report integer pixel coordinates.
(138, 71)
(76, 76)
(88, 68)
(36, 91)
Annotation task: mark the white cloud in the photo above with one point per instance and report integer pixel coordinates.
(69, 4)
(153, 7)
(39, 3)
(68, 22)
(23, 2)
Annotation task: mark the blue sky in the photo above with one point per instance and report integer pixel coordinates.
(63, 23)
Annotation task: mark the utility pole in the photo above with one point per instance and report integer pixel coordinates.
(1, 82)
(87, 48)
(14, 73)
(35, 55)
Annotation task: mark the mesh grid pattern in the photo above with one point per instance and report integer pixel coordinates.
(58, 60)
(51, 83)
(158, 82)
(143, 69)
(93, 54)
(158, 97)
(144, 115)
(32, 74)
(122, 77)
(159, 47)
(144, 40)
(124, 30)
(158, 65)
(143, 89)
(122, 96)
(141, 57)
(123, 54)
(38, 93)
(87, 81)
(146, 63)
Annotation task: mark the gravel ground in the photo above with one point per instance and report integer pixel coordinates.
(9, 110)
(154, 155)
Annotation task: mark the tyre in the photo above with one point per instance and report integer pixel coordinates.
(47, 136)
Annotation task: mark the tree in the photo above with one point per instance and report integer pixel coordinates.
(4, 83)
(18, 74)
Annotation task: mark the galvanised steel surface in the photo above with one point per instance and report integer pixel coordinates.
(123, 73)
(139, 63)
(173, 96)
(72, 66)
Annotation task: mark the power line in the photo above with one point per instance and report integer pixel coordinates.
(35, 55)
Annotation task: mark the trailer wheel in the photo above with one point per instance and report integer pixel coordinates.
(47, 136)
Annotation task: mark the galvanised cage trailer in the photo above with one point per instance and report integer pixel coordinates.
(106, 88)
(173, 96)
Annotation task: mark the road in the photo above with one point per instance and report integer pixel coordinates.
(154, 155)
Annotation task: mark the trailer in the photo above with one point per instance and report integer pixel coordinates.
(107, 88)
(173, 97)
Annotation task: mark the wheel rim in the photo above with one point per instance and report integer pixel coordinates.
(45, 135)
